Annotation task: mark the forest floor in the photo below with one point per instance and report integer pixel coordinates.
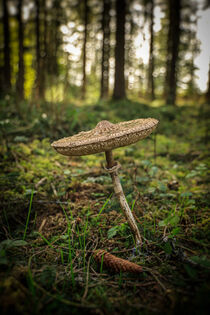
(56, 210)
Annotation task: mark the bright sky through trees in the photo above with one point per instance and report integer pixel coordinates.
(203, 59)
(142, 44)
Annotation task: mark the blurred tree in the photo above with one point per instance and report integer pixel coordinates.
(206, 4)
(38, 83)
(119, 78)
(208, 88)
(44, 54)
(86, 16)
(20, 75)
(191, 84)
(194, 50)
(174, 32)
(105, 49)
(50, 43)
(131, 31)
(189, 48)
(58, 17)
(148, 12)
(151, 87)
(7, 64)
(160, 51)
(205, 7)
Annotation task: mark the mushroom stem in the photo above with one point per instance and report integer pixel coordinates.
(121, 197)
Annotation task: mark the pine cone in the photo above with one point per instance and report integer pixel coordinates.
(115, 263)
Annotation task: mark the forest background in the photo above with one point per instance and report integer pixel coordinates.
(64, 66)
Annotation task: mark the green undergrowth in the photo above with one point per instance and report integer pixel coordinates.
(56, 210)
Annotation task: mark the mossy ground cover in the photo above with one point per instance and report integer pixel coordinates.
(56, 210)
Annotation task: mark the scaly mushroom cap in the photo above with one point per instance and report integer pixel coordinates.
(105, 136)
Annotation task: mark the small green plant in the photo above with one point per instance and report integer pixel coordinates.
(200, 170)
(122, 228)
(172, 220)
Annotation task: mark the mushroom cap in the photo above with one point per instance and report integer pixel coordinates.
(105, 136)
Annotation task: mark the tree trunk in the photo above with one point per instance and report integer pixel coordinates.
(119, 80)
(45, 29)
(57, 8)
(191, 89)
(208, 88)
(84, 48)
(173, 50)
(38, 53)
(105, 50)
(43, 62)
(20, 77)
(7, 67)
(151, 88)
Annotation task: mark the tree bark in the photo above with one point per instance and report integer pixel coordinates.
(7, 66)
(174, 31)
(105, 50)
(86, 13)
(191, 88)
(208, 88)
(57, 7)
(20, 77)
(151, 87)
(41, 47)
(38, 53)
(119, 80)
(44, 55)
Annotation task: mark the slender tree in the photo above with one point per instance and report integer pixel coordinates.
(38, 52)
(44, 53)
(84, 79)
(57, 23)
(105, 49)
(208, 88)
(206, 4)
(41, 46)
(20, 76)
(151, 87)
(174, 31)
(194, 50)
(119, 79)
(7, 66)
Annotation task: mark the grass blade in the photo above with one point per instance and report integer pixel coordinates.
(104, 205)
(28, 217)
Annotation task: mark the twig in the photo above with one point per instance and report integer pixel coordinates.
(156, 278)
(164, 232)
(41, 181)
(54, 190)
(62, 300)
(42, 224)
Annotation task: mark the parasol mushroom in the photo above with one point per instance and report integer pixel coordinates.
(105, 137)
